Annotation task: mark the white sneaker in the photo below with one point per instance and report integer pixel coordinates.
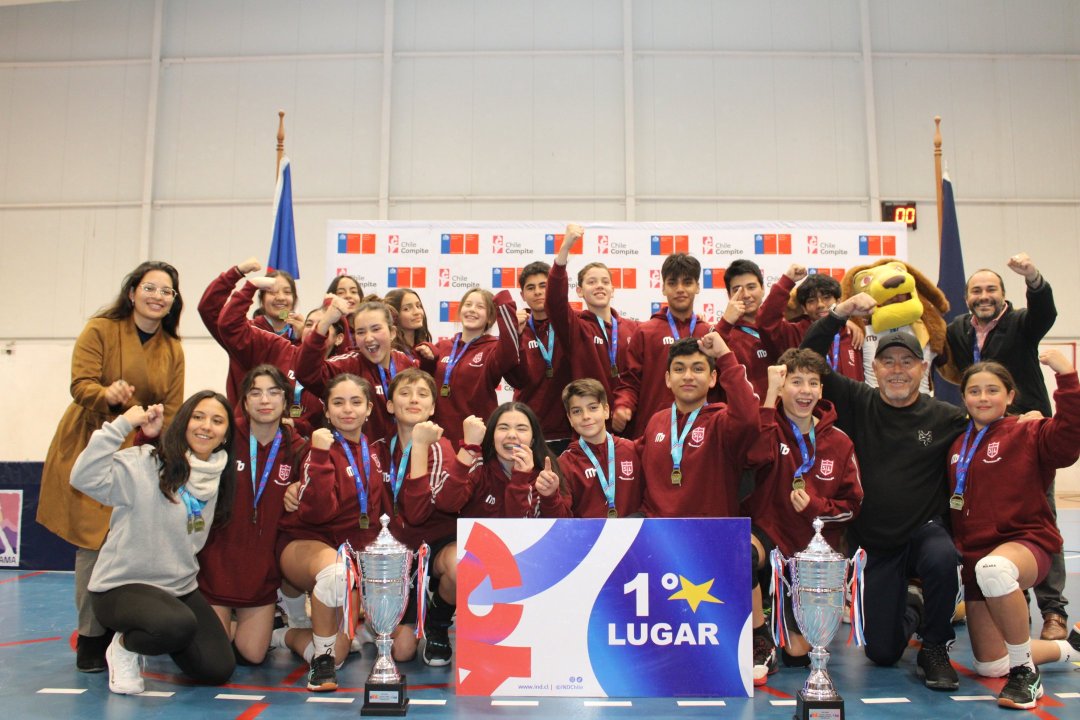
(125, 669)
(362, 637)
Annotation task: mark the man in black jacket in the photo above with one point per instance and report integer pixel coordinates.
(995, 330)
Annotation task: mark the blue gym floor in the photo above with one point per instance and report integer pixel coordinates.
(38, 677)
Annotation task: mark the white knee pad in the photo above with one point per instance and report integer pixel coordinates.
(331, 586)
(994, 668)
(997, 576)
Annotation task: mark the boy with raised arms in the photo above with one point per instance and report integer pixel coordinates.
(738, 326)
(597, 337)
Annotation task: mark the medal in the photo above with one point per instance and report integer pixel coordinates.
(283, 315)
(956, 502)
(798, 483)
(549, 373)
(200, 524)
(444, 391)
(190, 525)
(451, 362)
(614, 371)
(364, 522)
(254, 516)
(677, 440)
(358, 478)
(808, 454)
(612, 513)
(607, 481)
(295, 411)
(676, 477)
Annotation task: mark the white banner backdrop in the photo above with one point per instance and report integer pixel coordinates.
(441, 260)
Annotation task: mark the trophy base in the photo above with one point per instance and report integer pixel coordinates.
(386, 699)
(807, 709)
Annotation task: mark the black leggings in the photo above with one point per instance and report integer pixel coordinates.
(154, 622)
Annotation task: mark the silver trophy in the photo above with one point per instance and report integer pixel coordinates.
(384, 589)
(819, 576)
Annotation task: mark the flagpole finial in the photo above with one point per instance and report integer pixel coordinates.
(937, 135)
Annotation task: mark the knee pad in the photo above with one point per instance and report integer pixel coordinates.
(996, 576)
(994, 668)
(330, 585)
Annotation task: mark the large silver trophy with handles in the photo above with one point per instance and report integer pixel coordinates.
(819, 576)
(384, 588)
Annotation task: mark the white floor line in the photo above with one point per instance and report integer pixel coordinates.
(515, 703)
(885, 701)
(61, 691)
(156, 693)
(1068, 696)
(248, 698)
(701, 703)
(426, 701)
(339, 700)
(782, 703)
(969, 698)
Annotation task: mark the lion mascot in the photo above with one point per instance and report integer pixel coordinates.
(906, 299)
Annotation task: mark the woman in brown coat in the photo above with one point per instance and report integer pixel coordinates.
(128, 354)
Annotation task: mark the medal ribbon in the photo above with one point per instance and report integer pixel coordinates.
(965, 456)
(613, 342)
(194, 508)
(454, 357)
(749, 331)
(607, 482)
(676, 445)
(545, 352)
(298, 389)
(976, 351)
(397, 472)
(385, 381)
(361, 491)
(834, 352)
(807, 458)
(253, 447)
(671, 324)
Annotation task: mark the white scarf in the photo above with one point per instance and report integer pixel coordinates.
(205, 475)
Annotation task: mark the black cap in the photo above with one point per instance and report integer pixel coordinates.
(900, 338)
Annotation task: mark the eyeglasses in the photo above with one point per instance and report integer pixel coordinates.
(152, 289)
(273, 393)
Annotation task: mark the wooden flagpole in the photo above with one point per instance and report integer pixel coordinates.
(937, 175)
(281, 154)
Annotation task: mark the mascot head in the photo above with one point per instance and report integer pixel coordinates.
(927, 303)
(893, 287)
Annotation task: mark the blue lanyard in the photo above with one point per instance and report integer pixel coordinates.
(194, 507)
(678, 438)
(452, 361)
(749, 331)
(834, 352)
(545, 352)
(397, 472)
(253, 448)
(361, 491)
(607, 482)
(297, 408)
(966, 456)
(675, 330)
(807, 457)
(384, 381)
(286, 332)
(613, 343)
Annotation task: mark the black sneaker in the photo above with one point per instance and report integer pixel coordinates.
(934, 669)
(765, 663)
(1022, 690)
(435, 647)
(322, 677)
(90, 652)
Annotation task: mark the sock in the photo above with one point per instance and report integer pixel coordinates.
(1020, 654)
(323, 645)
(277, 637)
(295, 608)
(1068, 652)
(440, 612)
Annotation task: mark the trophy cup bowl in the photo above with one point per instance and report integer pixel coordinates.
(384, 589)
(818, 578)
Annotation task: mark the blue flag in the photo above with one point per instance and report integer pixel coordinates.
(951, 277)
(283, 246)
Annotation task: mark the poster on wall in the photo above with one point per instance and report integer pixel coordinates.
(441, 260)
(10, 527)
(604, 608)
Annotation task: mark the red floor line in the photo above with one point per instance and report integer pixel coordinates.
(22, 577)
(774, 692)
(28, 642)
(181, 680)
(253, 712)
(295, 675)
